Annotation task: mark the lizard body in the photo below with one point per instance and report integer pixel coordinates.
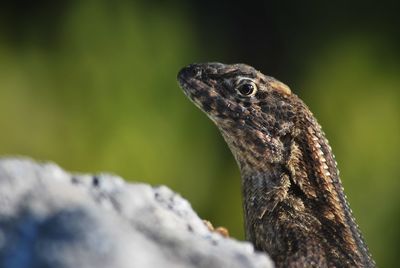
(294, 205)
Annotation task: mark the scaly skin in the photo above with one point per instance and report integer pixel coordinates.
(294, 205)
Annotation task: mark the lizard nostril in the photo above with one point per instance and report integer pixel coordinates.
(195, 71)
(191, 71)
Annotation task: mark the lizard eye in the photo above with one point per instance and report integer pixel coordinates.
(246, 88)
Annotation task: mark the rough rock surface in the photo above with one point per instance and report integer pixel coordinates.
(51, 218)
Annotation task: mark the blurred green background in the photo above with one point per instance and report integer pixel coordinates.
(91, 85)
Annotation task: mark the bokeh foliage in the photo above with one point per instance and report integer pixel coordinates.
(91, 85)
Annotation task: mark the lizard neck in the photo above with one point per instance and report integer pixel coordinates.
(297, 207)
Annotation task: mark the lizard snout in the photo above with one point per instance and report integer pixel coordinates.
(189, 72)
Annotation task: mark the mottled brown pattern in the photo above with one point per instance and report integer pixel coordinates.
(294, 205)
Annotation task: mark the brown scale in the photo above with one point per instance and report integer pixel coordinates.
(294, 205)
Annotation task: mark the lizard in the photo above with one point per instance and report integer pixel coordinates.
(294, 205)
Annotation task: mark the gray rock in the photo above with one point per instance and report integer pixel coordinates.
(51, 218)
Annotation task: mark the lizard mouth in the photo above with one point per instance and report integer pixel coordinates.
(198, 91)
(189, 79)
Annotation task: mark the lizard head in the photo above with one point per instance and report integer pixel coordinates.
(253, 111)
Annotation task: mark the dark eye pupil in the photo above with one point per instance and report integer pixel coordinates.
(246, 89)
